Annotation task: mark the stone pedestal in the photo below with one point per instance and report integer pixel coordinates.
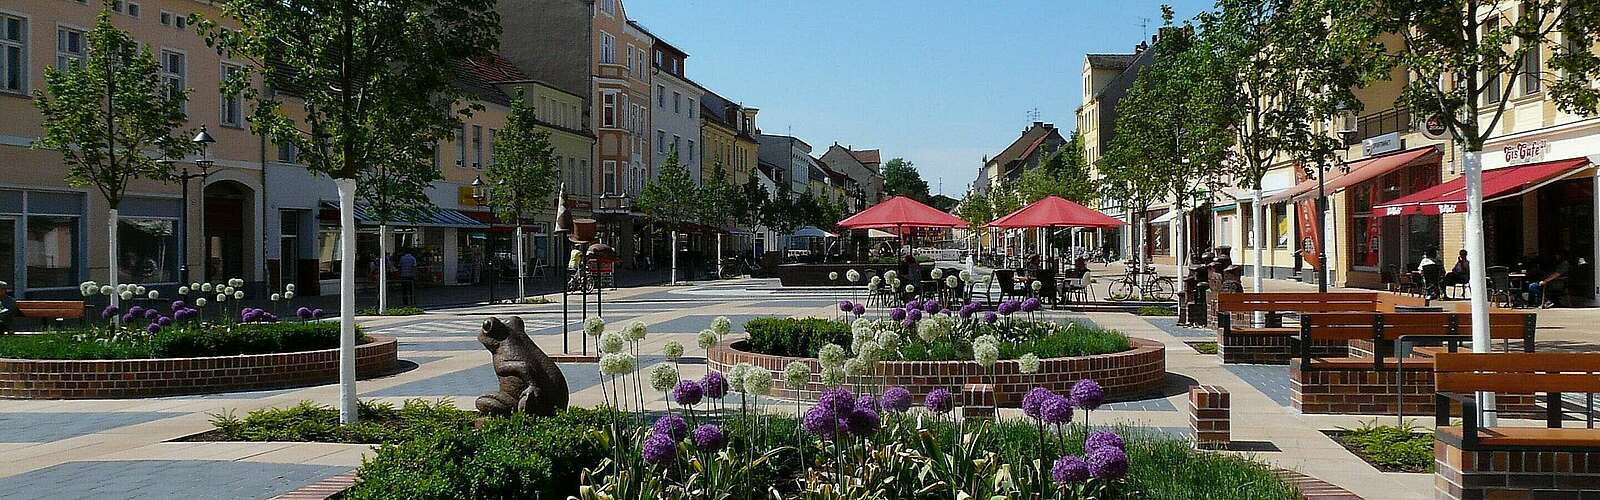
(1208, 417)
(977, 401)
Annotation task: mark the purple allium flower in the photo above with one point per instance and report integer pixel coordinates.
(1008, 307)
(913, 304)
(837, 400)
(863, 421)
(1108, 464)
(1031, 305)
(819, 420)
(153, 328)
(303, 312)
(687, 393)
(932, 306)
(137, 311)
(867, 401)
(1088, 394)
(896, 399)
(990, 317)
(660, 449)
(1069, 469)
(1102, 439)
(1034, 401)
(859, 309)
(909, 324)
(109, 312)
(939, 401)
(966, 311)
(164, 321)
(709, 438)
(897, 314)
(1056, 410)
(249, 316)
(151, 314)
(672, 426)
(845, 306)
(714, 385)
(128, 318)
(178, 304)
(945, 311)
(316, 313)
(914, 315)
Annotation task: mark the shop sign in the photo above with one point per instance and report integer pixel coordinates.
(1380, 144)
(1434, 127)
(1526, 151)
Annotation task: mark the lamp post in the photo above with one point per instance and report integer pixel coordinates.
(1347, 134)
(204, 163)
(480, 196)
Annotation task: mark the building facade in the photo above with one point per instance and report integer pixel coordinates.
(675, 119)
(791, 153)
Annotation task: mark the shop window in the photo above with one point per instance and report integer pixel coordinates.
(149, 250)
(8, 250)
(1284, 229)
(51, 249)
(1247, 216)
(1364, 233)
(328, 252)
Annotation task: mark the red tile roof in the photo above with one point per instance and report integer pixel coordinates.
(866, 155)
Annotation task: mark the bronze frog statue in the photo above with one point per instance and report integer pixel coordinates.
(530, 382)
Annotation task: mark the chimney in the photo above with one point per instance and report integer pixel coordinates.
(1038, 124)
(1049, 125)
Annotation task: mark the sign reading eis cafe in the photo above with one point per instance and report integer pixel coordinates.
(1526, 151)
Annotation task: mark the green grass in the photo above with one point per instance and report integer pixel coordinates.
(1155, 311)
(184, 339)
(393, 311)
(1401, 448)
(1204, 347)
(377, 422)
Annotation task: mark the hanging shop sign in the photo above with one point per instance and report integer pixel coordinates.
(1381, 144)
(1434, 127)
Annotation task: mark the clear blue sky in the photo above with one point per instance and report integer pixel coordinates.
(939, 82)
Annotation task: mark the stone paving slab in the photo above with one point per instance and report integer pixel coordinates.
(1170, 325)
(43, 427)
(1271, 380)
(480, 379)
(695, 323)
(1154, 404)
(163, 479)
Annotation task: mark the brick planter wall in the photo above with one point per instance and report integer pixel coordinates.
(1548, 473)
(1125, 375)
(142, 378)
(1270, 348)
(1358, 390)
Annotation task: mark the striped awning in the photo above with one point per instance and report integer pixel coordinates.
(420, 217)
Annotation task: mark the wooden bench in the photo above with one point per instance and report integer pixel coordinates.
(1272, 342)
(50, 312)
(1384, 329)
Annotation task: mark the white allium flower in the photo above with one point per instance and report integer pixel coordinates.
(831, 355)
(201, 302)
(122, 287)
(860, 324)
(206, 287)
(288, 295)
(889, 340)
(289, 287)
(986, 339)
(1036, 285)
(663, 377)
(985, 354)
(706, 339)
(139, 290)
(853, 275)
(229, 290)
(194, 286)
(593, 327)
(911, 288)
(833, 376)
(856, 367)
(636, 330)
(183, 290)
(277, 297)
(758, 382)
(154, 294)
(833, 276)
(952, 282)
(869, 350)
(859, 335)
(673, 350)
(126, 295)
(890, 274)
(796, 375)
(236, 282)
(611, 342)
(936, 273)
(738, 373)
(1028, 363)
(222, 297)
(613, 364)
(930, 330)
(107, 290)
(239, 295)
(721, 325)
(875, 281)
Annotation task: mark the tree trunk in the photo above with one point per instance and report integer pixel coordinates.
(383, 268)
(1258, 228)
(719, 255)
(522, 266)
(1477, 270)
(673, 279)
(111, 262)
(347, 300)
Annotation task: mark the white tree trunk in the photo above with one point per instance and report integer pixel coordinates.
(347, 300)
(1258, 228)
(719, 255)
(673, 280)
(1180, 247)
(522, 267)
(1477, 270)
(111, 263)
(383, 268)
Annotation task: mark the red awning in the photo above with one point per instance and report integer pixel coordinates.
(1498, 184)
(1055, 211)
(900, 211)
(1371, 168)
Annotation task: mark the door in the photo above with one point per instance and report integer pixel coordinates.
(288, 259)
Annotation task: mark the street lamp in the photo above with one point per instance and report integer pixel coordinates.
(1347, 135)
(481, 197)
(204, 163)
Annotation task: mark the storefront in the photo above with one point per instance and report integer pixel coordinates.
(434, 238)
(42, 232)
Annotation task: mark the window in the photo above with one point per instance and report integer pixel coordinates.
(166, 18)
(13, 54)
(661, 96)
(608, 109)
(1491, 82)
(51, 251)
(173, 71)
(677, 103)
(491, 146)
(608, 48)
(1281, 226)
(286, 152)
(477, 146)
(691, 151)
(149, 248)
(133, 9)
(607, 6)
(659, 55)
(609, 177)
(1247, 215)
(585, 177)
(691, 107)
(676, 139)
(70, 49)
(232, 105)
(461, 146)
(661, 141)
(1530, 71)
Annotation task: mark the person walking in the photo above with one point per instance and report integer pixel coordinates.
(408, 277)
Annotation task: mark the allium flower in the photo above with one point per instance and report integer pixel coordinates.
(896, 399)
(1068, 470)
(1031, 305)
(128, 318)
(706, 339)
(276, 297)
(1102, 439)
(154, 294)
(875, 281)
(1008, 307)
(673, 350)
(914, 315)
(856, 367)
(931, 306)
(833, 276)
(831, 355)
(107, 290)
(289, 287)
(911, 288)
(713, 385)
(592, 327)
(709, 438)
(869, 350)
(316, 313)
(289, 295)
(952, 282)
(228, 290)
(659, 449)
(1033, 402)
(238, 295)
(966, 275)
(614, 364)
(863, 421)
(1056, 410)
(200, 302)
(867, 401)
(671, 426)
(986, 339)
(846, 306)
(1028, 363)
(109, 312)
(687, 393)
(721, 325)
(663, 377)
(236, 282)
(1108, 464)
(859, 309)
(221, 297)
(985, 354)
(303, 313)
(909, 324)
(737, 374)
(936, 273)
(889, 340)
(178, 304)
(611, 342)
(939, 401)
(966, 311)
(820, 421)
(838, 400)
(852, 276)
(833, 376)
(1036, 285)
(164, 321)
(126, 295)
(897, 314)
(758, 382)
(990, 317)
(183, 290)
(1088, 394)
(635, 331)
(136, 311)
(796, 375)
(890, 274)
(153, 328)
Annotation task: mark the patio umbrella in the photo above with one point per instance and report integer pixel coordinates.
(1055, 211)
(898, 213)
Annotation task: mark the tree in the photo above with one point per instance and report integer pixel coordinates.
(900, 178)
(976, 209)
(720, 200)
(1284, 67)
(671, 199)
(522, 175)
(106, 116)
(395, 190)
(362, 73)
(1064, 173)
(1464, 56)
(752, 202)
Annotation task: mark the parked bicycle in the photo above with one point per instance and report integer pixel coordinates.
(1140, 283)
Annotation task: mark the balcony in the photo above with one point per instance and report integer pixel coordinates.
(1383, 122)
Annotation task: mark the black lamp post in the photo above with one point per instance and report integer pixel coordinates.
(1347, 134)
(204, 163)
(481, 197)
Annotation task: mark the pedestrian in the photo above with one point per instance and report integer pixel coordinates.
(408, 277)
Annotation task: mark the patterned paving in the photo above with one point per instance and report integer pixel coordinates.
(1170, 325)
(163, 479)
(29, 427)
(1272, 380)
(1156, 404)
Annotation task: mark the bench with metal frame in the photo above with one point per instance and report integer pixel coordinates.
(51, 312)
(1459, 376)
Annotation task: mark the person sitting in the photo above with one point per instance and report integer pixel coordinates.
(1552, 287)
(1458, 275)
(1431, 271)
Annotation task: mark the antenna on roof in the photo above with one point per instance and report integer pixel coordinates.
(1144, 24)
(1033, 114)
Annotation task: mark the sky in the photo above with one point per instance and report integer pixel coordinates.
(939, 82)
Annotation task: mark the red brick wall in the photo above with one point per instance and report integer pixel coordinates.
(140, 378)
(1461, 474)
(1209, 408)
(1359, 390)
(1270, 348)
(1125, 375)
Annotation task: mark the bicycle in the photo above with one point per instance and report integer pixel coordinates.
(1140, 284)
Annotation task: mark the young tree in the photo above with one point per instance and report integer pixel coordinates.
(673, 200)
(395, 190)
(720, 200)
(106, 116)
(976, 209)
(361, 73)
(1464, 58)
(522, 176)
(1064, 173)
(900, 178)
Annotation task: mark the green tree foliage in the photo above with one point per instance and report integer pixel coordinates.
(671, 198)
(1064, 173)
(976, 209)
(1003, 199)
(721, 201)
(900, 178)
(752, 202)
(107, 146)
(781, 213)
(522, 176)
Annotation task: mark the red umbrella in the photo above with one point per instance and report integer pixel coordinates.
(900, 211)
(1055, 211)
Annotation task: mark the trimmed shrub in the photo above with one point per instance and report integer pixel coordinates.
(798, 337)
(184, 340)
